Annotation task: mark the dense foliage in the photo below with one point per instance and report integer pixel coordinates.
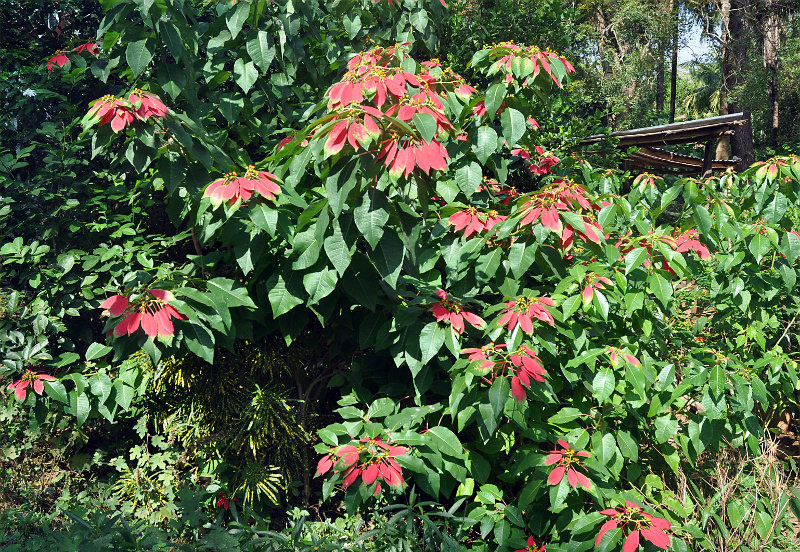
(266, 241)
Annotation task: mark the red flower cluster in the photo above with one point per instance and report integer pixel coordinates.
(452, 311)
(646, 180)
(541, 163)
(223, 501)
(376, 101)
(493, 186)
(522, 310)
(591, 282)
(525, 365)
(232, 188)
(568, 462)
(472, 221)
(635, 523)
(561, 195)
(120, 112)
(532, 546)
(371, 459)
(690, 241)
(615, 352)
(531, 57)
(60, 58)
(151, 311)
(403, 155)
(20, 386)
(146, 105)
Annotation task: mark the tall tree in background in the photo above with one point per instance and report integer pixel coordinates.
(771, 44)
(734, 45)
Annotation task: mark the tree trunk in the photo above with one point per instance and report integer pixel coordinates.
(771, 31)
(673, 85)
(660, 70)
(734, 60)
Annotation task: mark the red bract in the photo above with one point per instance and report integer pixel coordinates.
(635, 523)
(539, 165)
(111, 109)
(20, 386)
(473, 221)
(452, 311)
(372, 459)
(528, 367)
(561, 195)
(522, 310)
(567, 462)
(591, 282)
(523, 364)
(615, 352)
(90, 47)
(532, 546)
(646, 180)
(146, 105)
(58, 60)
(484, 353)
(223, 501)
(403, 155)
(151, 311)
(690, 241)
(232, 188)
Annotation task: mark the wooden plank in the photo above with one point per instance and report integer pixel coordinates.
(710, 124)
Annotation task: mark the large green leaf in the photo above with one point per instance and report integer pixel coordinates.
(245, 74)
(138, 54)
(236, 17)
(485, 143)
(261, 50)
(445, 441)
(284, 294)
(371, 216)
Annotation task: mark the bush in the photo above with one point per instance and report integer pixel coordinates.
(502, 326)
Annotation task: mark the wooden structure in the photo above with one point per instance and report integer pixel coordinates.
(649, 140)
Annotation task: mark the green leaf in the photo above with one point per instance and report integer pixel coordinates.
(235, 18)
(337, 250)
(759, 246)
(703, 219)
(419, 20)
(635, 258)
(388, 257)
(603, 385)
(245, 74)
(717, 379)
(261, 50)
(56, 390)
(172, 38)
(660, 287)
(469, 177)
(425, 123)
(604, 447)
(495, 96)
(230, 104)
(431, 339)
(284, 294)
(124, 396)
(138, 54)
(666, 428)
(371, 216)
(319, 284)
(199, 340)
(791, 246)
(229, 292)
(445, 441)
(97, 350)
(80, 406)
(514, 125)
(564, 416)
(775, 209)
(485, 143)
(628, 445)
(498, 395)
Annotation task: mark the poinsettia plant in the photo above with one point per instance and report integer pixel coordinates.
(486, 296)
